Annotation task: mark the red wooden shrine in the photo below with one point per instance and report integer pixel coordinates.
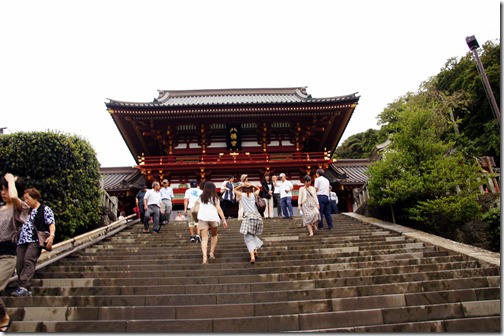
(211, 134)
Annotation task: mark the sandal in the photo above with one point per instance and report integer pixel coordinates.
(252, 261)
(212, 256)
(5, 327)
(205, 261)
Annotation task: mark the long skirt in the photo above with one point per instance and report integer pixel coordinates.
(311, 214)
(253, 242)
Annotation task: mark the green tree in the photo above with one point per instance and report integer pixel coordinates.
(477, 124)
(423, 176)
(459, 88)
(65, 170)
(360, 145)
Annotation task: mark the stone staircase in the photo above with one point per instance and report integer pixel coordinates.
(362, 276)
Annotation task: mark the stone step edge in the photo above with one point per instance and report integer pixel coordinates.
(492, 258)
(388, 301)
(421, 327)
(344, 272)
(303, 321)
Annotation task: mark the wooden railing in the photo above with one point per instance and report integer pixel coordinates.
(242, 157)
(110, 202)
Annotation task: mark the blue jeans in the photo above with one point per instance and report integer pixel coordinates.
(334, 207)
(325, 211)
(286, 204)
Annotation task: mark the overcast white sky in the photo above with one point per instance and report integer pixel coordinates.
(61, 60)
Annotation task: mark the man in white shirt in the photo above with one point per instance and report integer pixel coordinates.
(322, 186)
(276, 195)
(152, 206)
(333, 197)
(166, 201)
(180, 217)
(190, 197)
(286, 197)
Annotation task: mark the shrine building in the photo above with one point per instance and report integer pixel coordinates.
(208, 135)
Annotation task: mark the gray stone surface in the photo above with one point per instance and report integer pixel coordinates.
(363, 276)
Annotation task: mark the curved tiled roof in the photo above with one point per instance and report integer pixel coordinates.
(350, 171)
(232, 96)
(121, 178)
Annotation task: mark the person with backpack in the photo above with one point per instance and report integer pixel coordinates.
(39, 226)
(252, 223)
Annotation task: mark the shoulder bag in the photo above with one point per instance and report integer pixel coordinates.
(195, 209)
(40, 225)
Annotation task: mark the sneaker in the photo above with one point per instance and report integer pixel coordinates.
(193, 238)
(21, 291)
(198, 239)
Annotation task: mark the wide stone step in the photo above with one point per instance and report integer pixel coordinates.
(208, 309)
(195, 255)
(218, 263)
(330, 271)
(332, 265)
(356, 277)
(467, 324)
(252, 283)
(205, 322)
(439, 291)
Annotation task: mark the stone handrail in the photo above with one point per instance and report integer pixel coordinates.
(361, 197)
(67, 247)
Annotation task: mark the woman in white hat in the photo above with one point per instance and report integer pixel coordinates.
(252, 224)
(243, 178)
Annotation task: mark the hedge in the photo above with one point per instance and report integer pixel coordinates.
(64, 168)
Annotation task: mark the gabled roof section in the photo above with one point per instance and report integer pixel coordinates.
(121, 178)
(350, 171)
(232, 96)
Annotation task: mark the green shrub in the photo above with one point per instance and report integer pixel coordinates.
(492, 219)
(65, 170)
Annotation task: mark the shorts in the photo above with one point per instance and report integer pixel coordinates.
(190, 222)
(206, 225)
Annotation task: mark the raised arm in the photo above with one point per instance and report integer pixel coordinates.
(13, 192)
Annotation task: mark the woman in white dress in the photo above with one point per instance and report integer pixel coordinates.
(308, 205)
(252, 223)
(208, 218)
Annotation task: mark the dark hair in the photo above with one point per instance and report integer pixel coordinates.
(307, 178)
(266, 175)
(320, 171)
(202, 185)
(209, 194)
(193, 183)
(20, 185)
(230, 177)
(33, 193)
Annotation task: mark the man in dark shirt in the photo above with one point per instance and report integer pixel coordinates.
(140, 201)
